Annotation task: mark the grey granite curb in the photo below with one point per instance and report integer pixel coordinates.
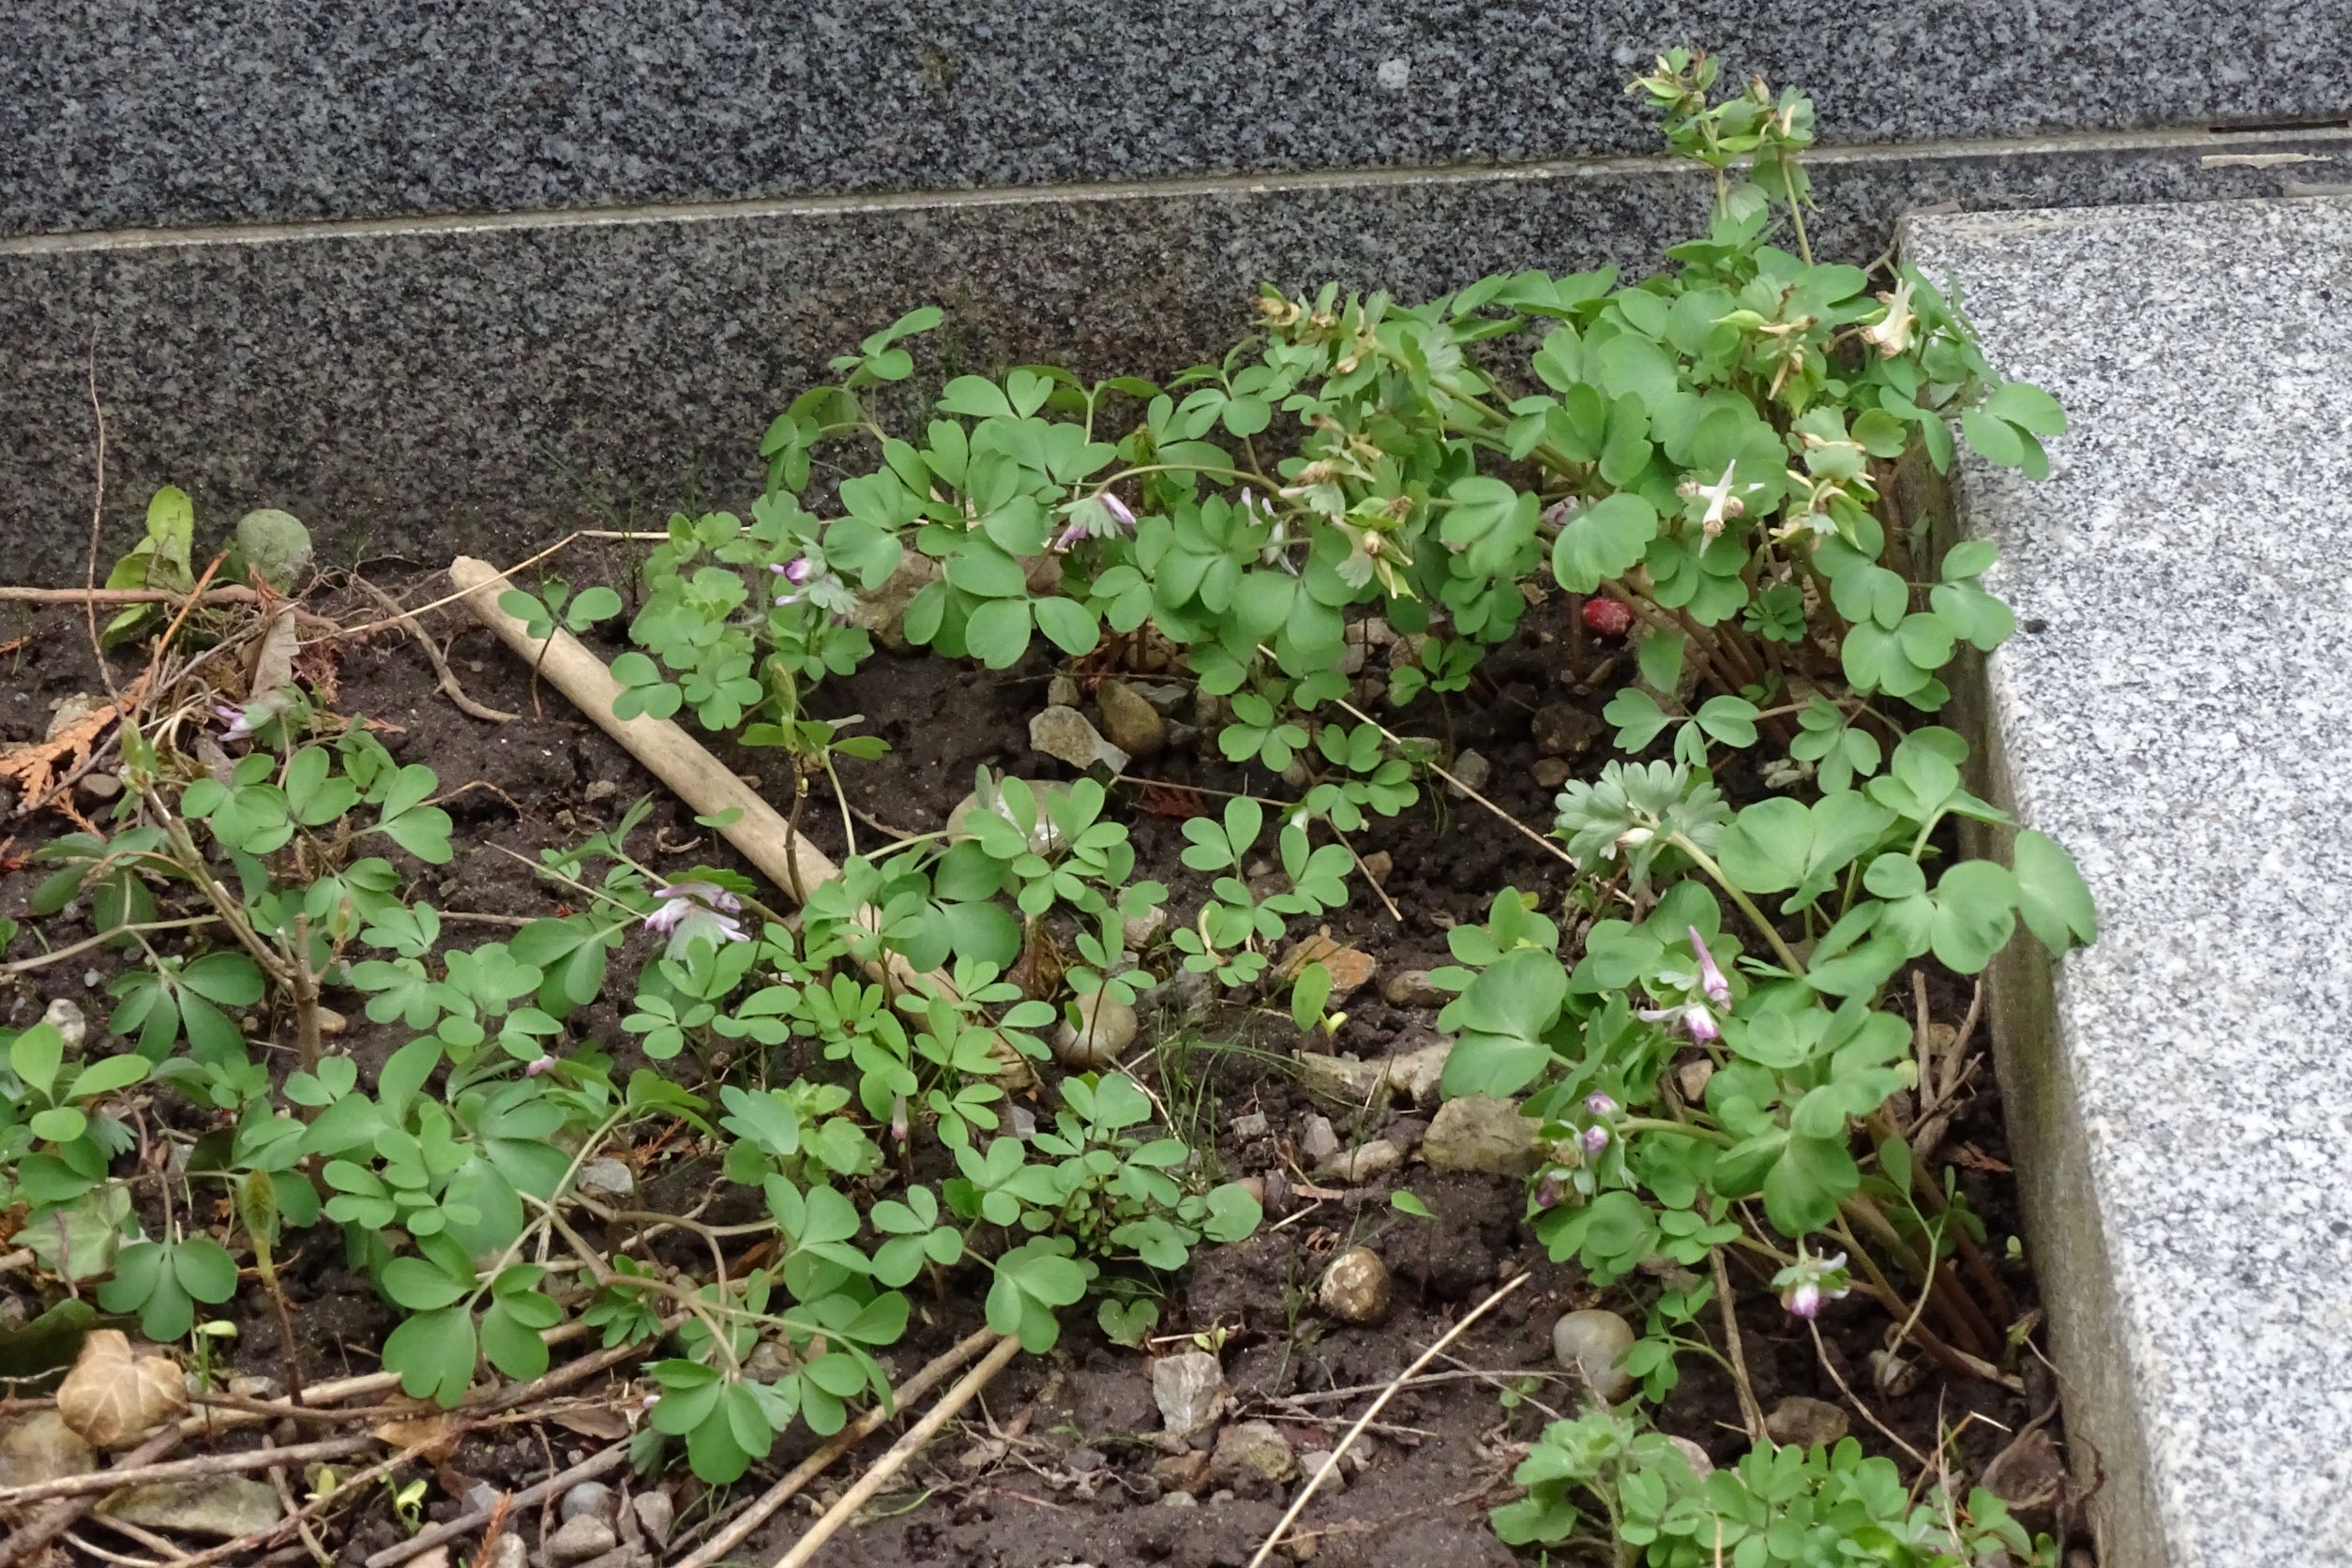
(2174, 711)
(415, 390)
(116, 115)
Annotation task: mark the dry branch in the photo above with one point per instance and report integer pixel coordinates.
(759, 831)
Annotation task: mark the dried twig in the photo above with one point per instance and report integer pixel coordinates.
(1751, 1414)
(1868, 1414)
(1339, 1450)
(739, 1528)
(597, 1464)
(449, 686)
(180, 1469)
(805, 1550)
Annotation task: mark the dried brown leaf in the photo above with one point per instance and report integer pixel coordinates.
(114, 1394)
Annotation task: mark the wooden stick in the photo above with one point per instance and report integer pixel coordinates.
(424, 1541)
(805, 1550)
(759, 831)
(96, 597)
(184, 1469)
(1315, 1482)
(776, 1497)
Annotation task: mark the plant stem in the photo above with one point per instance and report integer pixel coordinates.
(1706, 863)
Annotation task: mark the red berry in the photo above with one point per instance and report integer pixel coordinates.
(1607, 618)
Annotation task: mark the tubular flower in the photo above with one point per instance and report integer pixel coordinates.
(1809, 1282)
(1108, 518)
(1891, 333)
(689, 909)
(1711, 978)
(1594, 1140)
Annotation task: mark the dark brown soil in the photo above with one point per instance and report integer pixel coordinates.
(1075, 1484)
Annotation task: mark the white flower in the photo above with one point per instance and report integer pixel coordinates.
(689, 909)
(1722, 497)
(1891, 333)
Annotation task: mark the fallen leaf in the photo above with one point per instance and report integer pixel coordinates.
(434, 1435)
(70, 737)
(593, 1421)
(273, 665)
(113, 1393)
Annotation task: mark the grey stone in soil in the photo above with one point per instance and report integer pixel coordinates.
(1063, 735)
(1251, 1125)
(1251, 1451)
(1482, 1133)
(1470, 771)
(1189, 1389)
(1355, 1288)
(1181, 1473)
(1313, 1462)
(1696, 1458)
(655, 1516)
(1366, 1162)
(578, 1538)
(1137, 932)
(507, 1551)
(1589, 1346)
(1414, 1074)
(1317, 1141)
(592, 1498)
(883, 612)
(1168, 698)
(606, 1177)
(1411, 987)
(1131, 722)
(42, 1447)
(2171, 711)
(1343, 1077)
(1062, 691)
(72, 1023)
(1805, 1422)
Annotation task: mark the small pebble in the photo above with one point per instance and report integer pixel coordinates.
(1805, 1422)
(1590, 1343)
(1316, 1459)
(1252, 1125)
(72, 1023)
(592, 1498)
(656, 1514)
(1411, 987)
(507, 1551)
(577, 1540)
(1318, 1141)
(606, 1177)
(1356, 1287)
(1106, 1026)
(1470, 771)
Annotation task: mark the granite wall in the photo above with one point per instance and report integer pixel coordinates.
(432, 275)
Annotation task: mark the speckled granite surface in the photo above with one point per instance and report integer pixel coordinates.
(409, 392)
(2175, 712)
(119, 113)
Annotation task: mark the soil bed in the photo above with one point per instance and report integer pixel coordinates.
(1058, 1464)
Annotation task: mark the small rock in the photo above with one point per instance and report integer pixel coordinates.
(1061, 692)
(1692, 1455)
(1364, 1163)
(1182, 1473)
(1470, 771)
(1252, 1450)
(220, 1506)
(1411, 989)
(1063, 735)
(1415, 1074)
(1189, 1390)
(1564, 730)
(1549, 773)
(72, 1023)
(1355, 1287)
(507, 1551)
(1343, 1077)
(1208, 710)
(1316, 1460)
(1805, 1422)
(255, 1387)
(1138, 931)
(601, 789)
(655, 1516)
(1253, 1125)
(1106, 1026)
(1179, 1499)
(1168, 698)
(766, 1363)
(1318, 1141)
(1889, 1374)
(1692, 1079)
(1131, 722)
(1350, 969)
(98, 785)
(580, 1539)
(1377, 865)
(1482, 1133)
(606, 1177)
(42, 1447)
(884, 611)
(593, 1499)
(1590, 1343)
